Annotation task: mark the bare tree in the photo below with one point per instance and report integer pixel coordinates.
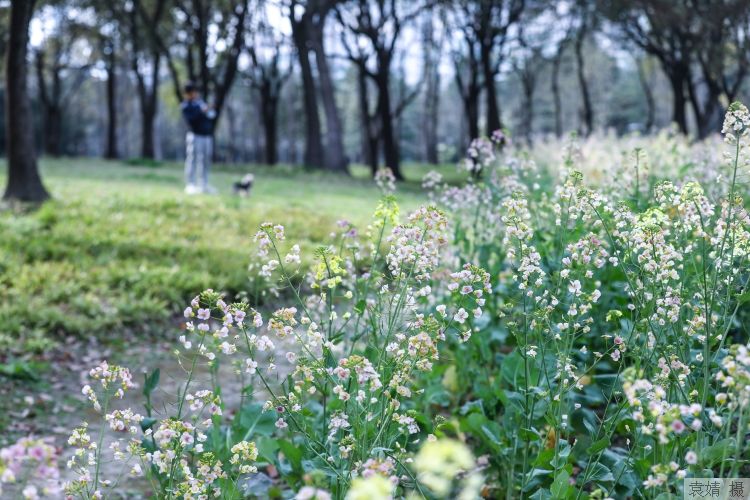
(555, 86)
(24, 182)
(109, 52)
(377, 25)
(721, 41)
(643, 77)
(145, 63)
(59, 73)
(585, 24)
(528, 61)
(208, 37)
(432, 47)
(308, 18)
(659, 27)
(465, 52)
(267, 76)
(490, 22)
(105, 32)
(300, 18)
(369, 126)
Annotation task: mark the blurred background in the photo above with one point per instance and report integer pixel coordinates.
(308, 81)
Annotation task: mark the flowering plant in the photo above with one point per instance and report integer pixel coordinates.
(506, 341)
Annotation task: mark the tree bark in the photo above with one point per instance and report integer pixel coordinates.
(708, 111)
(432, 49)
(24, 182)
(556, 91)
(677, 77)
(149, 100)
(586, 112)
(471, 109)
(334, 155)
(390, 145)
(148, 96)
(269, 104)
(111, 67)
(53, 130)
(369, 137)
(49, 98)
(494, 122)
(649, 96)
(313, 157)
(528, 83)
(469, 87)
(148, 116)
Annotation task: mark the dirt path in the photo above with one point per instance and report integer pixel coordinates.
(53, 405)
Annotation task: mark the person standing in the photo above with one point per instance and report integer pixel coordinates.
(199, 118)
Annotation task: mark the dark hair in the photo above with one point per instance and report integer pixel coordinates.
(189, 88)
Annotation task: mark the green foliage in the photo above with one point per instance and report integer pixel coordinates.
(120, 248)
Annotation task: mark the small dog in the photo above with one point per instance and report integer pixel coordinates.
(244, 185)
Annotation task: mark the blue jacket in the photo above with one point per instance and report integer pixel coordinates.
(199, 119)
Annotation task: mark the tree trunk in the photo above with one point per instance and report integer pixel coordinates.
(24, 182)
(494, 122)
(148, 117)
(432, 109)
(369, 138)
(390, 145)
(149, 106)
(335, 157)
(111, 151)
(432, 52)
(708, 111)
(556, 92)
(313, 143)
(677, 78)
(268, 105)
(587, 114)
(470, 100)
(53, 130)
(649, 95)
(49, 97)
(528, 124)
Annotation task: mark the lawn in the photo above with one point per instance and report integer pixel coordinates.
(121, 247)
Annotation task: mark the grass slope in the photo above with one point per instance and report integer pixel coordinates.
(121, 246)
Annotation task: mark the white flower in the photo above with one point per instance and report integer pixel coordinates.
(460, 316)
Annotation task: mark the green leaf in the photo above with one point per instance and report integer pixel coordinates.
(561, 485)
(487, 431)
(292, 453)
(254, 421)
(601, 474)
(147, 423)
(21, 370)
(717, 452)
(536, 478)
(360, 307)
(151, 381)
(599, 445)
(528, 434)
(267, 449)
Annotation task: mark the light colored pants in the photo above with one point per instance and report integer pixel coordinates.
(198, 159)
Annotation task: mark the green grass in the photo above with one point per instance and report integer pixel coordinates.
(121, 247)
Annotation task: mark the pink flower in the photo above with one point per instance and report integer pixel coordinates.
(678, 427)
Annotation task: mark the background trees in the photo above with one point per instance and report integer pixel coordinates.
(24, 183)
(329, 82)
